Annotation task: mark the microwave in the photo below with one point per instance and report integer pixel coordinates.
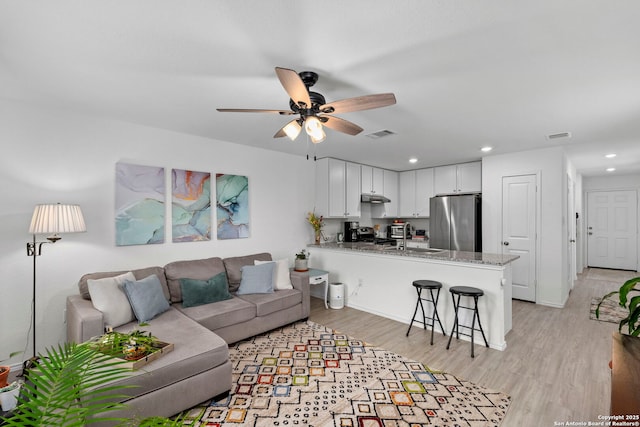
(394, 231)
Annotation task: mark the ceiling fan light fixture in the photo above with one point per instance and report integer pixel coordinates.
(292, 129)
(318, 137)
(313, 127)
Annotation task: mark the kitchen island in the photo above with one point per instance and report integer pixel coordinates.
(378, 279)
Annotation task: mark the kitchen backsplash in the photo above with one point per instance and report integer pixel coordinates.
(334, 226)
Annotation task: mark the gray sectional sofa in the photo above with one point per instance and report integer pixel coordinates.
(198, 368)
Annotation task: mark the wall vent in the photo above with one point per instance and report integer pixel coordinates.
(380, 134)
(560, 135)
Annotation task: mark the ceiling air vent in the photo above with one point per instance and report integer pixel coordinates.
(380, 134)
(560, 135)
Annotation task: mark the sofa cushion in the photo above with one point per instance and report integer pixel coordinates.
(108, 296)
(138, 274)
(220, 314)
(281, 274)
(199, 269)
(146, 297)
(198, 292)
(273, 302)
(235, 264)
(256, 279)
(196, 349)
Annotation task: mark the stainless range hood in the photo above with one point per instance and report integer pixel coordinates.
(373, 198)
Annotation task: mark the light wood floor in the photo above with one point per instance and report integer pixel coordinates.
(555, 367)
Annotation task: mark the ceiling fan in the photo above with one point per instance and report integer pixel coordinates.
(312, 109)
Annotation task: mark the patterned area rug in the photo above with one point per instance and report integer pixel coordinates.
(610, 310)
(308, 375)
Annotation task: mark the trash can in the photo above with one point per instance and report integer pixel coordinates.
(336, 295)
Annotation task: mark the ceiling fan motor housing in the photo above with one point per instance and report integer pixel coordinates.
(309, 78)
(317, 100)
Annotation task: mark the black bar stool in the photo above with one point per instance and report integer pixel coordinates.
(430, 285)
(475, 293)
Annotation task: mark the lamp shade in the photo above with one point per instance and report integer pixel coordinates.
(292, 129)
(57, 218)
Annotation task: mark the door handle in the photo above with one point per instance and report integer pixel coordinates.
(572, 240)
(590, 233)
(505, 243)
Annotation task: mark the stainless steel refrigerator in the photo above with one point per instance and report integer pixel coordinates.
(455, 222)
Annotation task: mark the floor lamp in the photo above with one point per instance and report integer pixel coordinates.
(50, 219)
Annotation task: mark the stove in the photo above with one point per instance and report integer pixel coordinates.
(366, 234)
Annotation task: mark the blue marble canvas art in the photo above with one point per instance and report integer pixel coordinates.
(232, 206)
(140, 204)
(191, 205)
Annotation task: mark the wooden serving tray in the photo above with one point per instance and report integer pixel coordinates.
(163, 348)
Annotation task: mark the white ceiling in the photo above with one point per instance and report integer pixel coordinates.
(465, 73)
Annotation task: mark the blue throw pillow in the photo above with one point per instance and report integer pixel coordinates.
(199, 292)
(256, 279)
(146, 297)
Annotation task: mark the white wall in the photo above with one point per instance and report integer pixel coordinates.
(50, 156)
(611, 182)
(552, 286)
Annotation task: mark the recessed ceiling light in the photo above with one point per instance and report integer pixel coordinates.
(610, 169)
(610, 156)
(486, 149)
(413, 160)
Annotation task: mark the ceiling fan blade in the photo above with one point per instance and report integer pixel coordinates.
(366, 102)
(254, 110)
(294, 86)
(341, 125)
(280, 133)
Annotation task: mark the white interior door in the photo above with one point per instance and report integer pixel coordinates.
(571, 233)
(519, 216)
(612, 218)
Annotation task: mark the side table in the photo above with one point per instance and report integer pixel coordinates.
(317, 277)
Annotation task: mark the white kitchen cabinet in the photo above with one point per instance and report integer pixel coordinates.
(352, 190)
(470, 177)
(372, 180)
(407, 193)
(337, 188)
(416, 188)
(460, 178)
(390, 191)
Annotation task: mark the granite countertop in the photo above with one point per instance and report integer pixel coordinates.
(431, 254)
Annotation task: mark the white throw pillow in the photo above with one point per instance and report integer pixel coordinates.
(281, 278)
(108, 296)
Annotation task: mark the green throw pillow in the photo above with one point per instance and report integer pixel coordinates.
(199, 292)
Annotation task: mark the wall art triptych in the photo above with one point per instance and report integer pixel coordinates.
(141, 205)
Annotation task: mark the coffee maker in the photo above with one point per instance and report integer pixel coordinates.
(351, 231)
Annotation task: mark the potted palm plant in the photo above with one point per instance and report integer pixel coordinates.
(631, 303)
(66, 387)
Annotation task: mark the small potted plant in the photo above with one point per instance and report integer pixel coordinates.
(8, 392)
(5, 369)
(301, 261)
(631, 303)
